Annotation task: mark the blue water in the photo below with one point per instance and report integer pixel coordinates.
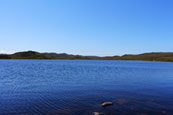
(79, 87)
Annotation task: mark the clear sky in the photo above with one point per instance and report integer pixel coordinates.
(86, 27)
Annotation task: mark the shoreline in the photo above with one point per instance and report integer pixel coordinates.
(154, 56)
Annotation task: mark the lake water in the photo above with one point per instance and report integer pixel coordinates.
(79, 87)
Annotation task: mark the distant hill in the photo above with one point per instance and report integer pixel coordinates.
(154, 56)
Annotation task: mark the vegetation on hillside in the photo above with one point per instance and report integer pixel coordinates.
(155, 56)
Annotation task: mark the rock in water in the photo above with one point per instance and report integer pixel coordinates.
(96, 113)
(106, 104)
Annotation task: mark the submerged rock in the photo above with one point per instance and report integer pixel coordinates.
(122, 101)
(96, 113)
(106, 104)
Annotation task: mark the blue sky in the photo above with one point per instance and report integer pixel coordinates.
(87, 27)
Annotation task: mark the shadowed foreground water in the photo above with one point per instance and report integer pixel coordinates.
(79, 87)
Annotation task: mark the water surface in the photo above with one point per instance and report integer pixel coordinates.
(79, 87)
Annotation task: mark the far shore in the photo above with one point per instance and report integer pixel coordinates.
(154, 56)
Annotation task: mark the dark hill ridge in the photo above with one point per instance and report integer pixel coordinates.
(154, 56)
